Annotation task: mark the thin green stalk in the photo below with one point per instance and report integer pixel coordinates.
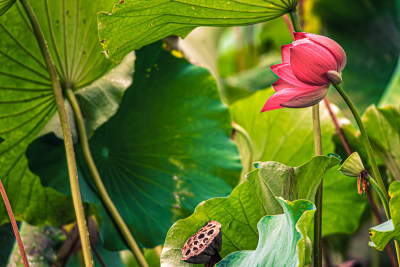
(319, 194)
(364, 135)
(318, 151)
(69, 148)
(381, 195)
(99, 183)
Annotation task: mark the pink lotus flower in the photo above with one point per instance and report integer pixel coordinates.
(309, 65)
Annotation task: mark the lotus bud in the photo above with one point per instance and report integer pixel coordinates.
(352, 166)
(310, 64)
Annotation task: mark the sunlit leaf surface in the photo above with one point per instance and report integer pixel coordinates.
(135, 23)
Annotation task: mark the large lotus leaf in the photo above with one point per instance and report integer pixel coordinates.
(5, 5)
(286, 135)
(283, 239)
(167, 148)
(240, 212)
(135, 23)
(27, 101)
(107, 93)
(374, 24)
(381, 235)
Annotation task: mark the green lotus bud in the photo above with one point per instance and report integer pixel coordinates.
(352, 166)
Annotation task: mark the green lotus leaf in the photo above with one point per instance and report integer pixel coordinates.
(381, 234)
(27, 103)
(166, 149)
(283, 239)
(5, 5)
(240, 212)
(135, 23)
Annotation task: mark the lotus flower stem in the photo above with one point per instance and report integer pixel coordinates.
(14, 224)
(365, 138)
(319, 194)
(66, 130)
(381, 195)
(318, 151)
(123, 228)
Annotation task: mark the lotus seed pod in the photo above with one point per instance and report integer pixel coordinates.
(204, 246)
(352, 166)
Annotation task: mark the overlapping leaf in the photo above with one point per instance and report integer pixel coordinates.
(286, 135)
(381, 235)
(135, 23)
(26, 95)
(166, 149)
(240, 212)
(283, 239)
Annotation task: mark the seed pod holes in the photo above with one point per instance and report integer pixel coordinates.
(204, 246)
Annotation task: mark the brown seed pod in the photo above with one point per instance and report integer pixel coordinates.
(204, 246)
